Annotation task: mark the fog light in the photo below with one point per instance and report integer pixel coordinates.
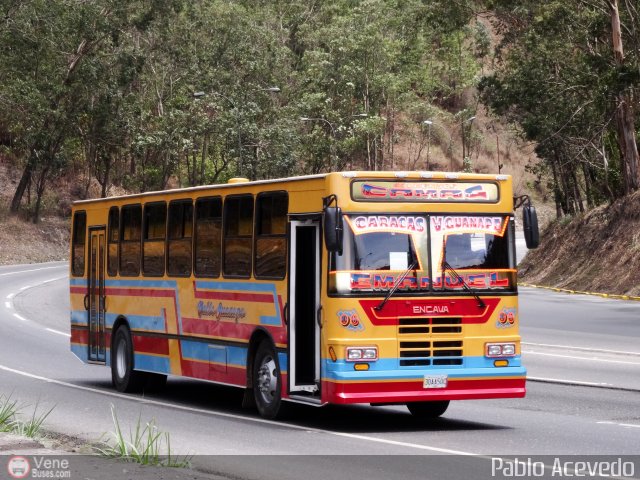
(361, 366)
(501, 363)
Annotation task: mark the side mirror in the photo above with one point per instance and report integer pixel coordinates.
(333, 229)
(530, 225)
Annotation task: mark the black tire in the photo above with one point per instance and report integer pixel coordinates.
(428, 410)
(267, 381)
(123, 375)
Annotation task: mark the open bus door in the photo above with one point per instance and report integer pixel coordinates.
(304, 308)
(95, 300)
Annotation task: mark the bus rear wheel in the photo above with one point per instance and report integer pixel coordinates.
(427, 410)
(123, 376)
(267, 381)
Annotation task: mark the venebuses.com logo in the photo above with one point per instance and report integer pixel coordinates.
(18, 467)
(38, 467)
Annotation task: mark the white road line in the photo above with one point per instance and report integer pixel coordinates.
(24, 288)
(58, 332)
(591, 359)
(569, 382)
(31, 270)
(237, 417)
(51, 280)
(10, 296)
(620, 424)
(570, 347)
(19, 317)
(8, 305)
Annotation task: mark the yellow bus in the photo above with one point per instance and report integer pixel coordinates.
(347, 287)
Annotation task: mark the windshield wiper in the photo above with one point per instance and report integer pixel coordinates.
(459, 279)
(396, 285)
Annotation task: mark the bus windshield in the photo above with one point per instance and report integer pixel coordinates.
(379, 248)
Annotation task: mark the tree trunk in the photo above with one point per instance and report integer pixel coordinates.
(22, 186)
(104, 183)
(625, 121)
(40, 188)
(576, 186)
(588, 189)
(556, 191)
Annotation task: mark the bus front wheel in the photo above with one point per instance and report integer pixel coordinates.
(267, 382)
(427, 410)
(123, 376)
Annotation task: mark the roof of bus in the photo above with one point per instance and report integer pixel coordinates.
(238, 182)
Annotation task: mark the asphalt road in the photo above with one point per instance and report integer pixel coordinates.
(583, 352)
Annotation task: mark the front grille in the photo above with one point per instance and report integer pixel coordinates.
(428, 342)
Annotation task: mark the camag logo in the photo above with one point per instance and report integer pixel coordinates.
(18, 467)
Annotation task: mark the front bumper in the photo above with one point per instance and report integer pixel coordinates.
(398, 387)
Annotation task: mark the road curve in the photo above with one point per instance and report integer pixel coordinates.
(206, 420)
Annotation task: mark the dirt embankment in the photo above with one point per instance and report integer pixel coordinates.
(23, 242)
(598, 251)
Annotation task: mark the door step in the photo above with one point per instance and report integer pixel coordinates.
(304, 399)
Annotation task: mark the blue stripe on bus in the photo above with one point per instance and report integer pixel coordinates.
(275, 320)
(152, 363)
(394, 363)
(248, 287)
(80, 351)
(139, 322)
(388, 369)
(78, 317)
(200, 351)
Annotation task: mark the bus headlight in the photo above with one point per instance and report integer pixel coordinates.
(368, 354)
(500, 350)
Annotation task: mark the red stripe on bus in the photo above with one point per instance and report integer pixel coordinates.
(155, 345)
(236, 296)
(358, 392)
(217, 373)
(229, 329)
(465, 308)
(139, 292)
(79, 335)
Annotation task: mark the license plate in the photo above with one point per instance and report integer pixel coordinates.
(435, 381)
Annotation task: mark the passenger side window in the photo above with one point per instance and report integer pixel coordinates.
(271, 235)
(238, 233)
(113, 236)
(78, 243)
(208, 237)
(130, 237)
(155, 218)
(180, 232)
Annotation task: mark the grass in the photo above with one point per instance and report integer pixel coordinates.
(32, 427)
(145, 445)
(10, 421)
(8, 411)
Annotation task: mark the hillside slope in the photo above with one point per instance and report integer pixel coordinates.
(598, 251)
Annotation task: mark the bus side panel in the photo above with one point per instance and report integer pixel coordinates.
(195, 328)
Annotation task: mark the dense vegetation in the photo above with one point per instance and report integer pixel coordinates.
(569, 75)
(147, 94)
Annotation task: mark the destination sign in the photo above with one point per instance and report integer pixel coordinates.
(420, 191)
